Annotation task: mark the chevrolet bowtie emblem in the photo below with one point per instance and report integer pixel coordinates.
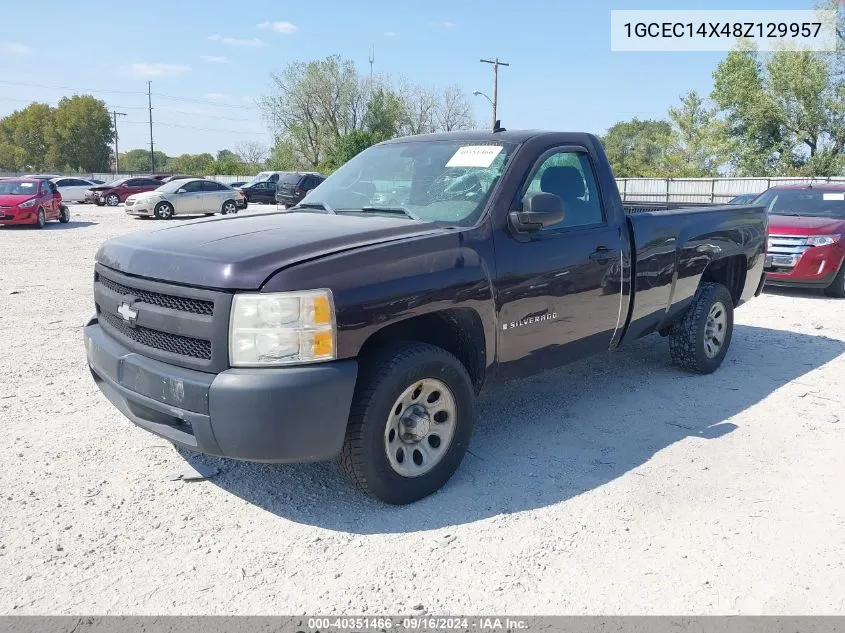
(127, 313)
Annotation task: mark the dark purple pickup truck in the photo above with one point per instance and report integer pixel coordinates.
(363, 324)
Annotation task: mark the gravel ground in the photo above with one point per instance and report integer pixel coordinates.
(616, 485)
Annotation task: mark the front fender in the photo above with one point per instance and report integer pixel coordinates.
(383, 284)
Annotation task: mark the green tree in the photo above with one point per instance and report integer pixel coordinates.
(226, 154)
(784, 111)
(348, 146)
(384, 114)
(12, 157)
(138, 161)
(83, 133)
(192, 164)
(639, 148)
(30, 131)
(699, 145)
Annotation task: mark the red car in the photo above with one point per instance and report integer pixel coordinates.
(31, 201)
(117, 191)
(806, 231)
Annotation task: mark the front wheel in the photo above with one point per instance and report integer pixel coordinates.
(230, 207)
(700, 341)
(41, 219)
(163, 211)
(112, 200)
(837, 287)
(410, 424)
(64, 214)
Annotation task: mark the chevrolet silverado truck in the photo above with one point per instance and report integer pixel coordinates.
(362, 325)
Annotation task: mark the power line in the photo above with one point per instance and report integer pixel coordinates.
(58, 87)
(199, 129)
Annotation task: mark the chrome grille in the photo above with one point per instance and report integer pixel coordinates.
(784, 251)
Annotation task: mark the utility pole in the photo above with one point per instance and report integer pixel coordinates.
(496, 63)
(116, 159)
(150, 101)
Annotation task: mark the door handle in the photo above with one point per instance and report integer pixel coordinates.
(602, 254)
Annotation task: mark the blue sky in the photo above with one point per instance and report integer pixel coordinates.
(208, 65)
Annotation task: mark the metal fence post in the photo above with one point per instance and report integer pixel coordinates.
(667, 191)
(712, 191)
(625, 189)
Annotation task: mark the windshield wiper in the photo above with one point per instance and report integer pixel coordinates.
(312, 205)
(396, 210)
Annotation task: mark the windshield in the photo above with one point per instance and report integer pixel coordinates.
(435, 181)
(173, 186)
(259, 177)
(114, 183)
(18, 188)
(813, 203)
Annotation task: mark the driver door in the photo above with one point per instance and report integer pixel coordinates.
(189, 198)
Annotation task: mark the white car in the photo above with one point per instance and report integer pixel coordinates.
(73, 189)
(185, 197)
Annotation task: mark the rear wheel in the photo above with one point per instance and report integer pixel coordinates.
(112, 200)
(163, 211)
(700, 341)
(230, 207)
(837, 287)
(64, 214)
(410, 424)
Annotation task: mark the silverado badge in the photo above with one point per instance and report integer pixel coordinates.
(127, 313)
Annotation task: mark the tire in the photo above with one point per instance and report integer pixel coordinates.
(385, 377)
(64, 214)
(694, 342)
(99, 203)
(837, 286)
(112, 200)
(230, 207)
(163, 211)
(42, 219)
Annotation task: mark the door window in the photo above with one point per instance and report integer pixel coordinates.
(193, 187)
(210, 185)
(569, 175)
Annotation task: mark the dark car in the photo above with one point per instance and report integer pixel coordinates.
(114, 192)
(363, 324)
(293, 187)
(743, 198)
(264, 192)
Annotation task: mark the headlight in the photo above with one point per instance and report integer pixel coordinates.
(282, 328)
(28, 204)
(822, 240)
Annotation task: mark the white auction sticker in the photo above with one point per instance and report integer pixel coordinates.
(475, 156)
(834, 196)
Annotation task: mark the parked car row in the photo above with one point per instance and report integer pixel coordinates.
(280, 187)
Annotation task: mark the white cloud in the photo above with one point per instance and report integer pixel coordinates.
(286, 28)
(16, 48)
(159, 70)
(233, 41)
(447, 24)
(214, 59)
(217, 96)
(390, 33)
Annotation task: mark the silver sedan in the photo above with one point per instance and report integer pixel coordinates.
(185, 197)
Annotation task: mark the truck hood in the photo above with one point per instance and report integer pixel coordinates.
(241, 252)
(804, 225)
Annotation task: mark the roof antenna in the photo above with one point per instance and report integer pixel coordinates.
(497, 127)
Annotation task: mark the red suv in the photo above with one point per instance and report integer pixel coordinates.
(31, 201)
(806, 231)
(117, 191)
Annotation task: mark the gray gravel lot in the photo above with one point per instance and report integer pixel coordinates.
(616, 485)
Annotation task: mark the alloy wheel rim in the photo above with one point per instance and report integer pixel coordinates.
(165, 211)
(420, 427)
(715, 329)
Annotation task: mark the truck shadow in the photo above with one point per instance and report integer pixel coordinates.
(804, 293)
(547, 439)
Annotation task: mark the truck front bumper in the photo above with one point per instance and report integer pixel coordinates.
(292, 414)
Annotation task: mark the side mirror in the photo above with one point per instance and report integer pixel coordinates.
(539, 210)
(180, 190)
